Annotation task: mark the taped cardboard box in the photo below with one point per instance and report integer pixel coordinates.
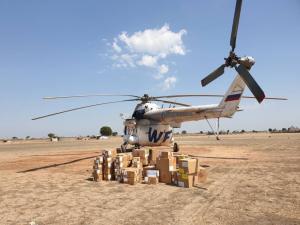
(109, 153)
(151, 180)
(174, 177)
(143, 154)
(188, 166)
(136, 162)
(98, 160)
(185, 180)
(165, 154)
(201, 175)
(147, 168)
(153, 154)
(179, 157)
(131, 175)
(97, 175)
(165, 177)
(152, 173)
(166, 164)
(124, 159)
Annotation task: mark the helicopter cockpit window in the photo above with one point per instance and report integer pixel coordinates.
(139, 114)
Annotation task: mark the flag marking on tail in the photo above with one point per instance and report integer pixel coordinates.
(233, 97)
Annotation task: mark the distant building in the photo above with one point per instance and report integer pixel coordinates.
(293, 129)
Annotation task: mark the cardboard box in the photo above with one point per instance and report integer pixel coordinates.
(110, 153)
(131, 175)
(147, 168)
(165, 177)
(166, 164)
(201, 175)
(174, 177)
(124, 159)
(151, 180)
(188, 166)
(178, 157)
(185, 180)
(165, 154)
(98, 160)
(152, 173)
(97, 175)
(153, 154)
(143, 154)
(136, 162)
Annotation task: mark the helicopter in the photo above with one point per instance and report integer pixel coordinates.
(152, 125)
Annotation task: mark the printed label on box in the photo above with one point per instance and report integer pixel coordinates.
(180, 183)
(180, 170)
(184, 164)
(184, 176)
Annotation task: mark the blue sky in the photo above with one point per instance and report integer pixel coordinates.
(65, 47)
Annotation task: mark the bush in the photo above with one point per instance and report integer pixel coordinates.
(183, 132)
(106, 131)
(115, 133)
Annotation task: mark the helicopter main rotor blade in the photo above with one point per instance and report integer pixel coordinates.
(85, 96)
(213, 75)
(235, 23)
(83, 107)
(170, 102)
(188, 95)
(213, 95)
(251, 83)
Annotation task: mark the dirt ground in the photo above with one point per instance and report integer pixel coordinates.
(252, 179)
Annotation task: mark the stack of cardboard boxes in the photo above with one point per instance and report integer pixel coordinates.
(186, 172)
(131, 175)
(108, 164)
(166, 164)
(121, 161)
(97, 169)
(138, 166)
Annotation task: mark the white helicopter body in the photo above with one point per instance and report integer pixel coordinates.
(151, 125)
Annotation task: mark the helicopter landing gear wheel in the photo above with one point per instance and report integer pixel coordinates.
(175, 147)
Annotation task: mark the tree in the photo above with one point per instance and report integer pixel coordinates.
(115, 133)
(183, 132)
(106, 131)
(270, 130)
(51, 135)
(242, 131)
(27, 137)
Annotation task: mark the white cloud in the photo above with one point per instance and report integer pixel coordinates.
(169, 82)
(116, 47)
(149, 48)
(163, 69)
(160, 42)
(148, 60)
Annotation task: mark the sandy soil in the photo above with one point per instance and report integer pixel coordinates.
(253, 179)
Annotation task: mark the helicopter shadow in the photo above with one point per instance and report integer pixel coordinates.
(55, 165)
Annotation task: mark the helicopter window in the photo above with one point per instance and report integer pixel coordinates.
(139, 114)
